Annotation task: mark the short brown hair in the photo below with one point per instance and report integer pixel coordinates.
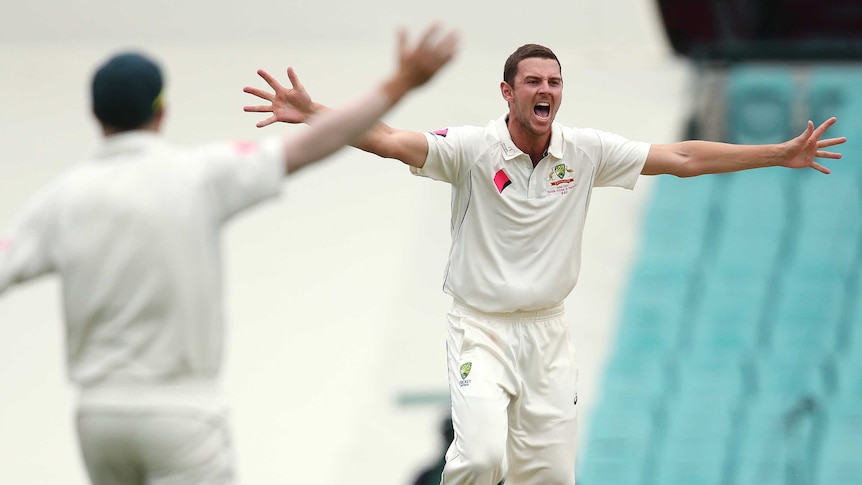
(526, 51)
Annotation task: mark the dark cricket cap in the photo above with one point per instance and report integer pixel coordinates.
(127, 91)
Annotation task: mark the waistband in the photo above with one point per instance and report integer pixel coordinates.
(190, 393)
(518, 316)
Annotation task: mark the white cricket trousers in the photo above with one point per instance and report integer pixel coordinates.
(155, 447)
(513, 384)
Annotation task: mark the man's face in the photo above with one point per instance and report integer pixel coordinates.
(536, 95)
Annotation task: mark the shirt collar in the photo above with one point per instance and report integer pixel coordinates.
(128, 142)
(511, 151)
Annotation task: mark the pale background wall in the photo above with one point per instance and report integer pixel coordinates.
(334, 290)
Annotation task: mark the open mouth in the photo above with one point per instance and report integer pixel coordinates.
(542, 110)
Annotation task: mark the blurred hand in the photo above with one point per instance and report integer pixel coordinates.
(292, 105)
(417, 64)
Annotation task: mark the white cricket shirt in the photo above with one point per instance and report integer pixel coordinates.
(517, 230)
(135, 236)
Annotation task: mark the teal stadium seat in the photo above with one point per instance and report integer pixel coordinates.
(686, 200)
(619, 444)
(756, 200)
(837, 91)
(752, 222)
(782, 421)
(699, 430)
(820, 254)
(848, 377)
(693, 460)
(808, 313)
(713, 381)
(850, 343)
(839, 460)
(829, 203)
(653, 311)
(612, 470)
(828, 226)
(676, 222)
(746, 253)
(728, 321)
(700, 422)
(650, 322)
(759, 103)
(783, 376)
(777, 443)
(834, 91)
(636, 378)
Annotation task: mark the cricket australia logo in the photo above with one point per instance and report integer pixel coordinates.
(560, 170)
(465, 371)
(561, 179)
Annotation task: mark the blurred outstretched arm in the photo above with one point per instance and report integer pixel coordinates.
(331, 129)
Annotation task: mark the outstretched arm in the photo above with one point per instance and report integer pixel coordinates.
(692, 158)
(24, 246)
(330, 130)
(294, 105)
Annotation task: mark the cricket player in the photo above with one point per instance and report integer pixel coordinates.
(134, 235)
(521, 187)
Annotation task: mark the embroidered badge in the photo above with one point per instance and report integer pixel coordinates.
(465, 371)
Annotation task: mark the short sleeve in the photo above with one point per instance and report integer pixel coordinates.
(449, 153)
(242, 174)
(621, 160)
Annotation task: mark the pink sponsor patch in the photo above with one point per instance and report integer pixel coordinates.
(501, 180)
(442, 132)
(245, 147)
(5, 244)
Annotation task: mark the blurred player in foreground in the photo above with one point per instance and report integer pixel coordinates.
(521, 187)
(134, 235)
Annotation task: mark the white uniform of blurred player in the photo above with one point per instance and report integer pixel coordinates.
(520, 192)
(134, 235)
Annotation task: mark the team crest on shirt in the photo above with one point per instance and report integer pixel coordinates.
(561, 179)
(560, 170)
(465, 369)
